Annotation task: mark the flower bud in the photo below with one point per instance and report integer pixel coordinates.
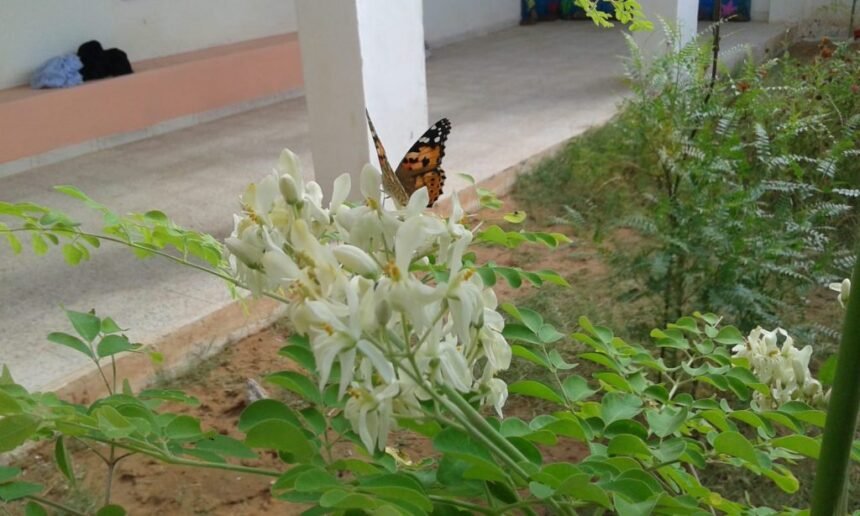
(245, 252)
(289, 189)
(355, 260)
(383, 312)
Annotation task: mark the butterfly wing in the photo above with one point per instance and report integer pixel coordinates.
(422, 165)
(390, 183)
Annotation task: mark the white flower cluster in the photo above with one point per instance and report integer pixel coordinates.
(784, 368)
(382, 292)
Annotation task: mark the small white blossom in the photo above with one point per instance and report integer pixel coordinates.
(844, 289)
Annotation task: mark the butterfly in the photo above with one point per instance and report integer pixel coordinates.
(422, 165)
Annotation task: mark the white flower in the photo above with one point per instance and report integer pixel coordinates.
(370, 410)
(844, 290)
(785, 368)
(340, 192)
(495, 393)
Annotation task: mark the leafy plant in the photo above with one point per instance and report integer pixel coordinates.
(367, 369)
(740, 198)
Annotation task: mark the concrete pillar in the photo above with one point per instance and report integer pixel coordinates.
(682, 14)
(359, 54)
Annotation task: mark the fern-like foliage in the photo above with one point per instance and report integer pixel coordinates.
(752, 182)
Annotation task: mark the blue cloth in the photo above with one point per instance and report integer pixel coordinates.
(58, 72)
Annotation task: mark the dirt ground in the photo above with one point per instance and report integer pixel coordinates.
(144, 486)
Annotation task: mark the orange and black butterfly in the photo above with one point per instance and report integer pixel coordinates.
(422, 165)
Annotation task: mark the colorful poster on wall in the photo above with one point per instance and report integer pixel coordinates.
(733, 10)
(548, 10)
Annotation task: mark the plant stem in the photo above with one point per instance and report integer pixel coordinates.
(147, 449)
(841, 422)
(715, 47)
(851, 20)
(55, 505)
(111, 465)
(461, 504)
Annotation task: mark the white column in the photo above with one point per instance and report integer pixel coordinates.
(359, 54)
(681, 14)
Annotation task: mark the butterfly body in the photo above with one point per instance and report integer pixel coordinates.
(420, 167)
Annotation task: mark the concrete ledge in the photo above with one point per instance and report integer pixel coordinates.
(160, 90)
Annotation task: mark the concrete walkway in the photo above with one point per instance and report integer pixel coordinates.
(510, 95)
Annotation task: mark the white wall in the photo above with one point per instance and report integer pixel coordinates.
(32, 31)
(797, 10)
(446, 21)
(760, 10)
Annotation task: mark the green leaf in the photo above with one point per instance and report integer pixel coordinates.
(168, 395)
(315, 420)
(459, 445)
(72, 254)
(279, 434)
(7, 473)
(558, 362)
(297, 383)
(548, 334)
(17, 490)
(341, 499)
(183, 428)
(581, 488)
(263, 410)
(729, 336)
(623, 507)
(516, 217)
(14, 243)
(110, 326)
(40, 247)
(527, 354)
(71, 341)
(519, 332)
(666, 421)
(8, 404)
(535, 389)
(64, 460)
(87, 325)
(226, 446)
(629, 445)
(618, 405)
(541, 491)
(802, 444)
(112, 423)
(316, 479)
(783, 478)
(576, 388)
(301, 355)
(512, 276)
(34, 509)
(736, 445)
(827, 371)
(113, 344)
(399, 489)
(16, 429)
(111, 510)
